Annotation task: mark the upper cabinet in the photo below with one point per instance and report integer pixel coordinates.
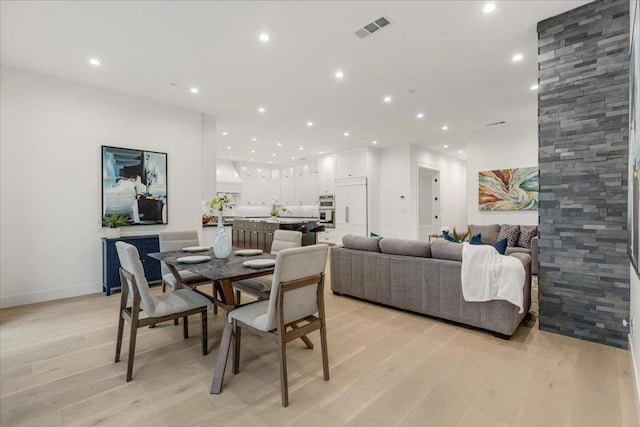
(327, 175)
(352, 164)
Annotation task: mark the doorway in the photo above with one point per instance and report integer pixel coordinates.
(428, 202)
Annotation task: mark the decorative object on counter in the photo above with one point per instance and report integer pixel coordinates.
(221, 240)
(113, 223)
(134, 184)
(274, 208)
(206, 219)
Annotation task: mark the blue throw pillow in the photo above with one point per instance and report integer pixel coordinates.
(450, 238)
(372, 234)
(500, 245)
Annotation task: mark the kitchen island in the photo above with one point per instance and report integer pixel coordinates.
(257, 233)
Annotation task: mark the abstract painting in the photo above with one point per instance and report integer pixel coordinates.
(134, 184)
(508, 189)
(633, 213)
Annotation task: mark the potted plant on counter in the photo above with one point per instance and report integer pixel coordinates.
(113, 222)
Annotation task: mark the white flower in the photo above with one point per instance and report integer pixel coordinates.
(274, 200)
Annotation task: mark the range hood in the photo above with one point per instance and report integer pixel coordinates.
(226, 172)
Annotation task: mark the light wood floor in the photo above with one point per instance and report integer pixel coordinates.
(388, 367)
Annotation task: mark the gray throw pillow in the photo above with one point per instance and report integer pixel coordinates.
(527, 232)
(443, 249)
(405, 247)
(488, 233)
(361, 243)
(511, 233)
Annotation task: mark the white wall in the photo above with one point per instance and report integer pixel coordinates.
(500, 147)
(50, 163)
(399, 177)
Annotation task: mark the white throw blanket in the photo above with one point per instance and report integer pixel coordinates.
(486, 275)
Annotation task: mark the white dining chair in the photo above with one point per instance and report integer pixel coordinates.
(175, 241)
(295, 308)
(158, 308)
(260, 287)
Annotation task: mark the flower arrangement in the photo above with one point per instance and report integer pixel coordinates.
(217, 203)
(274, 208)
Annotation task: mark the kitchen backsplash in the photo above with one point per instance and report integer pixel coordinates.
(297, 211)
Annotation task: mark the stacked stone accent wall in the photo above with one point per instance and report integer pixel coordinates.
(583, 115)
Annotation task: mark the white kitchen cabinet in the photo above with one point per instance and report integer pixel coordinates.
(351, 207)
(351, 164)
(327, 175)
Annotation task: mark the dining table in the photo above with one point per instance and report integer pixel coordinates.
(222, 273)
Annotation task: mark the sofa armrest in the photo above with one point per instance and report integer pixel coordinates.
(534, 255)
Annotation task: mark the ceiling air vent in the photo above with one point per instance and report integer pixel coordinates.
(372, 27)
(496, 123)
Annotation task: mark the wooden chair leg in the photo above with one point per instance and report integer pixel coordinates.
(119, 339)
(132, 345)
(205, 340)
(223, 355)
(185, 327)
(284, 386)
(325, 352)
(305, 339)
(164, 286)
(215, 309)
(175, 321)
(237, 333)
(238, 293)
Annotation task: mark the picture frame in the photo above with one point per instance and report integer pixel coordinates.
(134, 185)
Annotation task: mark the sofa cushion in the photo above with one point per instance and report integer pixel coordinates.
(489, 232)
(509, 232)
(517, 250)
(362, 243)
(443, 249)
(527, 232)
(405, 247)
(500, 245)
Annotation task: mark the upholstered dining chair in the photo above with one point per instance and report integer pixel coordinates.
(296, 302)
(175, 241)
(158, 308)
(260, 287)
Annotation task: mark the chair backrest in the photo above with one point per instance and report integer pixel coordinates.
(130, 261)
(293, 264)
(285, 239)
(176, 240)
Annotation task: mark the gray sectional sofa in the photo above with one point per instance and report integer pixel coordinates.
(421, 277)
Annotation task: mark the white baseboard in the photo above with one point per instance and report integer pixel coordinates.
(636, 373)
(48, 295)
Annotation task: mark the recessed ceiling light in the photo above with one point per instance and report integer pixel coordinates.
(420, 115)
(339, 74)
(273, 155)
(231, 157)
(94, 61)
(264, 37)
(374, 142)
(309, 124)
(225, 133)
(319, 152)
(228, 147)
(346, 134)
(194, 90)
(301, 148)
(261, 110)
(534, 87)
(293, 157)
(254, 139)
(269, 161)
(279, 144)
(252, 160)
(445, 146)
(517, 57)
(387, 99)
(445, 127)
(253, 151)
(489, 7)
(459, 151)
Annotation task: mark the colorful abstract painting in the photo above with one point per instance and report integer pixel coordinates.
(134, 184)
(508, 189)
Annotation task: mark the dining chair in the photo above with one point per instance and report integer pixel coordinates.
(297, 296)
(260, 287)
(158, 308)
(175, 241)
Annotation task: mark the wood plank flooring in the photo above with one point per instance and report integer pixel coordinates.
(388, 367)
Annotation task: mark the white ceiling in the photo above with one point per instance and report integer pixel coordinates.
(446, 59)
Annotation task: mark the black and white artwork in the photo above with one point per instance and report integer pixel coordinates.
(134, 184)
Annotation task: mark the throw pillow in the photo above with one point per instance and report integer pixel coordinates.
(500, 245)
(509, 232)
(527, 232)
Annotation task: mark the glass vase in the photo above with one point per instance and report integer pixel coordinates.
(221, 241)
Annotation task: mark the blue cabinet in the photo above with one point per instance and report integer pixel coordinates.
(111, 263)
